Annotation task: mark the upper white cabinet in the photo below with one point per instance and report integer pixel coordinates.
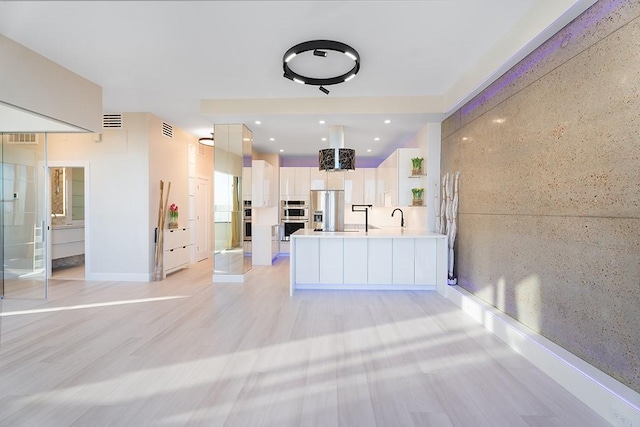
(353, 186)
(287, 182)
(317, 179)
(261, 179)
(294, 183)
(369, 186)
(335, 180)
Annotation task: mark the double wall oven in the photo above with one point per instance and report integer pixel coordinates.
(294, 215)
(246, 220)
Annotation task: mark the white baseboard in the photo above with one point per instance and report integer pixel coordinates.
(609, 398)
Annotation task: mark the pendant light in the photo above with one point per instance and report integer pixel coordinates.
(207, 140)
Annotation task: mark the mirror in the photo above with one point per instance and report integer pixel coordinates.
(67, 195)
(230, 262)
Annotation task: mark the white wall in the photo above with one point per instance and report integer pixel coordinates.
(44, 87)
(125, 167)
(168, 161)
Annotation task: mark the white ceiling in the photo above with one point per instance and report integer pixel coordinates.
(195, 64)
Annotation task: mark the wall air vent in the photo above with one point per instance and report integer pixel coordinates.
(112, 121)
(167, 130)
(23, 138)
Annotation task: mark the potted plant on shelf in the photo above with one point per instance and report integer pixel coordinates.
(417, 196)
(417, 165)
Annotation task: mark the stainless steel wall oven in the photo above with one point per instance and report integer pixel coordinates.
(294, 215)
(246, 220)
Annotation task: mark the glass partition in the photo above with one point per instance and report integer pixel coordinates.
(229, 257)
(23, 215)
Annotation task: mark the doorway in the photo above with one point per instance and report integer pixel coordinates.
(203, 209)
(68, 221)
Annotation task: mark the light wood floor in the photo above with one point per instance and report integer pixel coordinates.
(185, 351)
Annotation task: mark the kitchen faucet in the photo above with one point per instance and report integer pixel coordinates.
(366, 214)
(401, 216)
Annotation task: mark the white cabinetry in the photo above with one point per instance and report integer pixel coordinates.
(403, 262)
(379, 265)
(287, 182)
(66, 241)
(354, 187)
(426, 273)
(410, 260)
(355, 261)
(177, 247)
(331, 261)
(302, 182)
(369, 186)
(317, 179)
(335, 180)
(261, 179)
(294, 183)
(264, 244)
(307, 253)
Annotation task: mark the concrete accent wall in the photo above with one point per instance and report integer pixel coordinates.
(549, 222)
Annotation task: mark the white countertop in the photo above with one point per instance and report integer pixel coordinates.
(395, 232)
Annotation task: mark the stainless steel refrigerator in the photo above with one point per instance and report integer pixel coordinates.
(327, 210)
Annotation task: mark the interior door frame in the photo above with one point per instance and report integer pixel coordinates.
(87, 211)
(207, 220)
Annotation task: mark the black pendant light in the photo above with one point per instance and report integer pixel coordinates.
(207, 140)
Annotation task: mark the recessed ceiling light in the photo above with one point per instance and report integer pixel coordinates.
(324, 139)
(464, 138)
(282, 151)
(376, 139)
(322, 122)
(368, 150)
(272, 139)
(386, 122)
(258, 122)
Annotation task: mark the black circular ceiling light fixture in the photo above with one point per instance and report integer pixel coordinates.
(320, 48)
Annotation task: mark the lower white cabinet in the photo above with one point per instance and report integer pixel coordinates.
(426, 273)
(177, 250)
(264, 242)
(403, 261)
(331, 261)
(307, 253)
(379, 263)
(355, 261)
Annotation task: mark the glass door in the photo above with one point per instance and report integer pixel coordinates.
(24, 213)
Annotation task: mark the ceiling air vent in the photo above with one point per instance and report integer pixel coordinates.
(167, 130)
(112, 121)
(23, 138)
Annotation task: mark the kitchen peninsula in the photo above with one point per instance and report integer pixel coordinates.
(380, 259)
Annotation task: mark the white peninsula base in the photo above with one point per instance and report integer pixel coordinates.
(381, 259)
